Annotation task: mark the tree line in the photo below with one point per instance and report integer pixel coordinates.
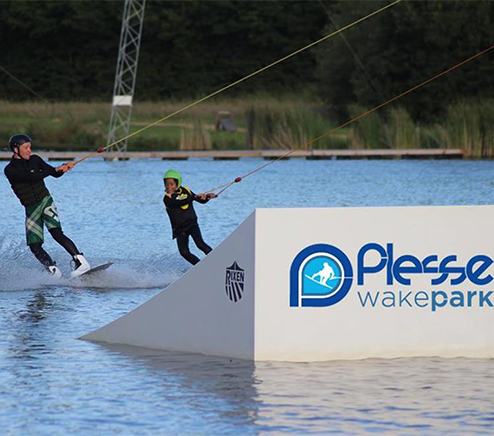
(67, 50)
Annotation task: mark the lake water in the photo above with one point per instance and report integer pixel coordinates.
(51, 383)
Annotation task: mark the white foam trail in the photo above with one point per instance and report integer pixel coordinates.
(116, 278)
(122, 277)
(19, 270)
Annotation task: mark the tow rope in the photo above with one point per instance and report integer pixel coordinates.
(225, 186)
(231, 85)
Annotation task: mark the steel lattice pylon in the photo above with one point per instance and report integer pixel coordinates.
(125, 77)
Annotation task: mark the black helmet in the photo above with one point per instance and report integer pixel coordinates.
(17, 140)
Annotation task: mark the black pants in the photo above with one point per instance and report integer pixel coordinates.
(60, 237)
(183, 243)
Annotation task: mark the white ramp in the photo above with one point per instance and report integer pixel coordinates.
(195, 314)
(331, 283)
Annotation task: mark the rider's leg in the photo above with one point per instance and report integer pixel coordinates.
(183, 248)
(41, 254)
(195, 232)
(64, 241)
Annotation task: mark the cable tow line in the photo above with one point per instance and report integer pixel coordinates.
(231, 85)
(225, 186)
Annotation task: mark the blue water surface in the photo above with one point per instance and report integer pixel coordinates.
(51, 383)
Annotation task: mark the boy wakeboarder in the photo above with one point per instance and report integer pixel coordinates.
(178, 201)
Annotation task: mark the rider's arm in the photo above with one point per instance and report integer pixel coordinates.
(202, 199)
(54, 172)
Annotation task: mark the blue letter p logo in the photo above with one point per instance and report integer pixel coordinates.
(320, 276)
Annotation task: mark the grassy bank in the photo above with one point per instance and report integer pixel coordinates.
(260, 123)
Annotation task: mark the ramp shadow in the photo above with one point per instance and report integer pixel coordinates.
(231, 380)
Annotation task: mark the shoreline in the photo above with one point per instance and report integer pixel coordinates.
(439, 153)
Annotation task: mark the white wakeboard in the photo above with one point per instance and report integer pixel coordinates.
(95, 269)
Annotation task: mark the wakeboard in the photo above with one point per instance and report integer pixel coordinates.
(95, 269)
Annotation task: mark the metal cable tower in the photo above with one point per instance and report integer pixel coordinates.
(125, 77)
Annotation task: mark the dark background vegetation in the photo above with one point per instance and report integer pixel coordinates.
(67, 50)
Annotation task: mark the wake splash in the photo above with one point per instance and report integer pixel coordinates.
(123, 277)
(19, 270)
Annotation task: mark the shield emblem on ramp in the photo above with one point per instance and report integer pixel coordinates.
(234, 282)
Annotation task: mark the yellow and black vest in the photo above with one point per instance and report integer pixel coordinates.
(180, 209)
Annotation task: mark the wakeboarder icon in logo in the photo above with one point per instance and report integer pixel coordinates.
(325, 274)
(234, 282)
(320, 276)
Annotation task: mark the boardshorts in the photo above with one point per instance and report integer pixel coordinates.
(39, 214)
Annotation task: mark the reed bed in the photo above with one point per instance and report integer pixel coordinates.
(400, 132)
(469, 126)
(368, 132)
(195, 136)
(262, 122)
(278, 125)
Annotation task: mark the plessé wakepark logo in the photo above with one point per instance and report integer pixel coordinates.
(320, 276)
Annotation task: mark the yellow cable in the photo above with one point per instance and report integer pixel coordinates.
(239, 81)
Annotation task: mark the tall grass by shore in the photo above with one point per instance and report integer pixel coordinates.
(470, 127)
(467, 125)
(276, 125)
(261, 123)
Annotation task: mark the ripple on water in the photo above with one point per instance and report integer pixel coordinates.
(52, 383)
